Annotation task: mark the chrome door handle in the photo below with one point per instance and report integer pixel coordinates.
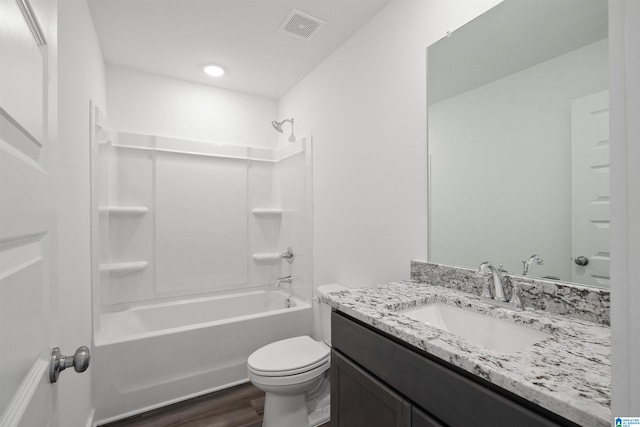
(581, 260)
(58, 362)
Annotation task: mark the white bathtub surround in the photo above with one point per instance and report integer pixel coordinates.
(554, 296)
(150, 356)
(568, 373)
(201, 217)
(181, 301)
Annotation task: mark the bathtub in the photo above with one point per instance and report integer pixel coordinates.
(150, 356)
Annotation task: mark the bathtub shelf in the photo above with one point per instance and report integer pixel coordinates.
(123, 267)
(267, 213)
(125, 211)
(266, 258)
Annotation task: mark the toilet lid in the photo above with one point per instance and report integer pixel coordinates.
(289, 357)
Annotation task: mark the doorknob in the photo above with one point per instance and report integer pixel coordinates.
(58, 362)
(581, 260)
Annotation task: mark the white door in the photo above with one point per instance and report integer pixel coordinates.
(27, 213)
(591, 231)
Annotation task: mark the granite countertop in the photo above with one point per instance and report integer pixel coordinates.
(568, 373)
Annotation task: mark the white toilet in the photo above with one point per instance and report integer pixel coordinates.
(294, 374)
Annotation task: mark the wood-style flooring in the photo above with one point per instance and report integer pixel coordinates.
(239, 406)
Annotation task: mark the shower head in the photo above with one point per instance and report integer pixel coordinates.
(278, 126)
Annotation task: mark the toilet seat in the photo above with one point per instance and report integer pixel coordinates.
(288, 357)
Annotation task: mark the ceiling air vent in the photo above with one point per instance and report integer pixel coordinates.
(301, 25)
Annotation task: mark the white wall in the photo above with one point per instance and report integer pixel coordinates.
(80, 78)
(365, 106)
(513, 136)
(624, 28)
(150, 104)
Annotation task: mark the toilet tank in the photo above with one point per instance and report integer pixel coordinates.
(325, 309)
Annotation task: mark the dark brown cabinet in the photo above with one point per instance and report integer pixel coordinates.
(378, 381)
(420, 419)
(363, 401)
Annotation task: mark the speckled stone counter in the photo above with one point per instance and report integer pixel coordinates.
(568, 373)
(568, 299)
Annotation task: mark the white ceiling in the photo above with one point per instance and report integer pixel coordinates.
(513, 36)
(177, 38)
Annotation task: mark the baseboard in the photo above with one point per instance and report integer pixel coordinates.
(166, 403)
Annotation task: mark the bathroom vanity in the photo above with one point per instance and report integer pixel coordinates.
(398, 386)
(391, 370)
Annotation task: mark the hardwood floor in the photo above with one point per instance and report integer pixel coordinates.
(239, 406)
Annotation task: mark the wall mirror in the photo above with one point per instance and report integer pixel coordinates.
(518, 138)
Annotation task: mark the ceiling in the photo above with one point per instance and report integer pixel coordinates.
(177, 38)
(537, 31)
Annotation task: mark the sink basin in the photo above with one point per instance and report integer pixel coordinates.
(485, 330)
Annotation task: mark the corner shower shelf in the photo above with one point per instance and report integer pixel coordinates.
(267, 212)
(266, 258)
(124, 267)
(125, 211)
(103, 135)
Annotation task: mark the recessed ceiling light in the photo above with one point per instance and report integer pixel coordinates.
(214, 70)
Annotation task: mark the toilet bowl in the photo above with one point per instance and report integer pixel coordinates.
(294, 374)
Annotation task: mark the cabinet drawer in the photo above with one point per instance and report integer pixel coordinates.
(359, 400)
(449, 396)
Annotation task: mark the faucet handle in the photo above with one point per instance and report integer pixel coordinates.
(486, 293)
(515, 296)
(288, 255)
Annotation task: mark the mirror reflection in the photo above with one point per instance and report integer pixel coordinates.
(518, 141)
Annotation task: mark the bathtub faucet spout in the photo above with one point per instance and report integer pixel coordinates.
(285, 279)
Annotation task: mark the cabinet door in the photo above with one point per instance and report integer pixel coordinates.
(359, 400)
(420, 419)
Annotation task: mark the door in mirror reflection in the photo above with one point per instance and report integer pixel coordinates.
(591, 231)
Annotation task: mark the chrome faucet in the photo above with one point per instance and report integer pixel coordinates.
(285, 279)
(497, 281)
(526, 265)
